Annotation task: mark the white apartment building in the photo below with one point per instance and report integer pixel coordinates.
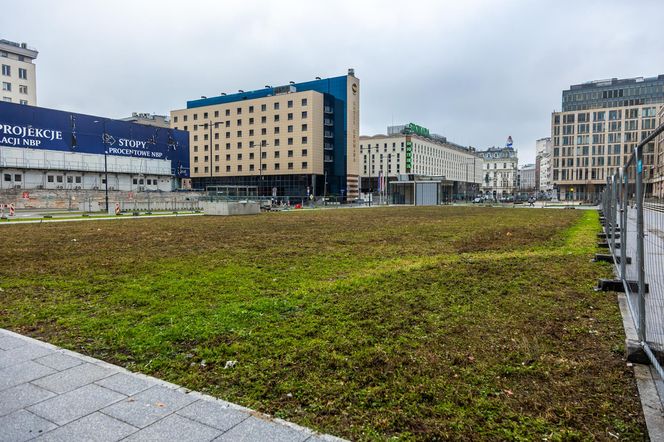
(404, 152)
(17, 73)
(544, 164)
(527, 178)
(500, 171)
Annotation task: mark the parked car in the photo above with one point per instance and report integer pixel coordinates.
(477, 200)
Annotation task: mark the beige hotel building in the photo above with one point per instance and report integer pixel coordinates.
(597, 130)
(297, 140)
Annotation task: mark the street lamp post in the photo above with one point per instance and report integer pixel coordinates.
(104, 139)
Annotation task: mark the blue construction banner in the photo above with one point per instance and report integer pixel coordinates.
(40, 128)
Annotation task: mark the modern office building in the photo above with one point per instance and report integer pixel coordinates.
(18, 76)
(300, 139)
(411, 150)
(500, 166)
(527, 178)
(600, 124)
(50, 149)
(544, 165)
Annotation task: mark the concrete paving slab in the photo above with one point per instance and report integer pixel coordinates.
(59, 361)
(22, 425)
(73, 405)
(73, 378)
(214, 414)
(149, 406)
(20, 374)
(126, 383)
(254, 429)
(174, 428)
(14, 356)
(95, 427)
(9, 342)
(21, 396)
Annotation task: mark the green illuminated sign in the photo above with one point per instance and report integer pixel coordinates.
(419, 130)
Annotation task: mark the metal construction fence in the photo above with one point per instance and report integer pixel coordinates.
(634, 227)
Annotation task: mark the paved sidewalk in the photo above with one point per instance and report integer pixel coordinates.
(51, 394)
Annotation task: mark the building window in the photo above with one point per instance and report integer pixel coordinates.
(185, 119)
(304, 114)
(239, 157)
(251, 120)
(304, 128)
(6, 86)
(304, 164)
(50, 178)
(276, 154)
(251, 132)
(276, 117)
(239, 167)
(264, 155)
(195, 117)
(290, 166)
(290, 154)
(23, 89)
(26, 102)
(304, 140)
(276, 106)
(195, 169)
(8, 177)
(205, 116)
(276, 130)
(228, 168)
(290, 116)
(263, 131)
(239, 111)
(290, 141)
(251, 156)
(6, 70)
(251, 110)
(276, 166)
(276, 142)
(175, 119)
(304, 102)
(228, 112)
(195, 137)
(135, 181)
(216, 113)
(228, 157)
(228, 145)
(263, 166)
(263, 119)
(304, 152)
(290, 102)
(251, 168)
(263, 107)
(290, 128)
(59, 178)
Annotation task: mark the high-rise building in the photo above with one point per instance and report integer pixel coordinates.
(19, 84)
(298, 140)
(148, 119)
(411, 149)
(500, 172)
(595, 133)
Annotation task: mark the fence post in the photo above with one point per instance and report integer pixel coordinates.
(623, 225)
(614, 209)
(640, 258)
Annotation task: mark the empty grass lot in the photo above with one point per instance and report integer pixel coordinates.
(457, 323)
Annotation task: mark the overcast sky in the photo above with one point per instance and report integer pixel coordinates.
(474, 71)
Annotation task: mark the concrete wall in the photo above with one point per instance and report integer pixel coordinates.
(72, 199)
(225, 208)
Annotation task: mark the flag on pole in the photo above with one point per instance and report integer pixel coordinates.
(509, 141)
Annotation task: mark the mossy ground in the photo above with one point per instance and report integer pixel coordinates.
(455, 323)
